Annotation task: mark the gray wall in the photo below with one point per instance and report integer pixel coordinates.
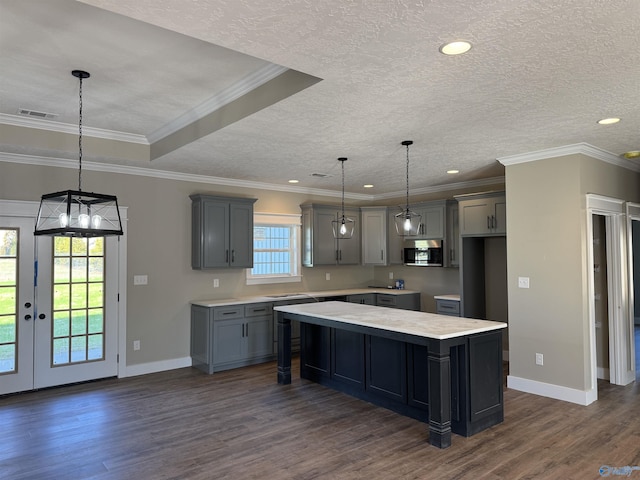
(547, 241)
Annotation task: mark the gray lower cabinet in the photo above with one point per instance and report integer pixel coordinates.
(363, 298)
(408, 301)
(231, 336)
(448, 307)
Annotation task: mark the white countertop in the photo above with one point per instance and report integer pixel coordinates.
(297, 296)
(455, 298)
(429, 325)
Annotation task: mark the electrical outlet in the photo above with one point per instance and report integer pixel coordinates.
(328, 276)
(390, 275)
(136, 344)
(523, 282)
(216, 282)
(539, 359)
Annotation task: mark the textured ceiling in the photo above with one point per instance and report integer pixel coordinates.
(265, 91)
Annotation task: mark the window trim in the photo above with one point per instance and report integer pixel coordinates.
(282, 219)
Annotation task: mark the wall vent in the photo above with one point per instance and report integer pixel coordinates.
(34, 113)
(321, 175)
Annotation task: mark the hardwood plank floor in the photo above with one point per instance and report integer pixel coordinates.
(240, 424)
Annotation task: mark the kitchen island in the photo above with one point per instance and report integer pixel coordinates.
(443, 370)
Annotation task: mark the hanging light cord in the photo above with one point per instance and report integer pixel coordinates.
(80, 141)
(407, 211)
(342, 161)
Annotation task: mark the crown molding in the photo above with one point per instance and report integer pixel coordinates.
(577, 148)
(444, 188)
(50, 126)
(235, 91)
(206, 179)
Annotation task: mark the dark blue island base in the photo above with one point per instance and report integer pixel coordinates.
(454, 384)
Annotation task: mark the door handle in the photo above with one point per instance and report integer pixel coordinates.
(27, 305)
(27, 317)
(42, 316)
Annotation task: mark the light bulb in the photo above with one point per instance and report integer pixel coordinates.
(343, 229)
(64, 220)
(83, 220)
(407, 224)
(96, 220)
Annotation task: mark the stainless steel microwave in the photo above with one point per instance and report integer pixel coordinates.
(423, 253)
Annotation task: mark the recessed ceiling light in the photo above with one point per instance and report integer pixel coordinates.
(453, 171)
(455, 48)
(368, 185)
(294, 181)
(633, 154)
(608, 121)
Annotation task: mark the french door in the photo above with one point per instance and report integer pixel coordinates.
(58, 308)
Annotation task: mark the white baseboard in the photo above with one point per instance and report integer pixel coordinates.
(154, 367)
(581, 397)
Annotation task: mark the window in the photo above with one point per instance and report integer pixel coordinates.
(276, 253)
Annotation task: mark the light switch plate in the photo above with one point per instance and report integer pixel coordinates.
(523, 282)
(140, 280)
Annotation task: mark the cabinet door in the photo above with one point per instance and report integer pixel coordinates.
(324, 245)
(475, 216)
(349, 249)
(454, 236)
(395, 242)
(258, 336)
(228, 341)
(432, 222)
(374, 237)
(500, 216)
(215, 235)
(241, 235)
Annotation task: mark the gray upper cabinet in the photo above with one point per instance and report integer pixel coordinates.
(433, 219)
(452, 247)
(319, 247)
(222, 232)
(381, 245)
(482, 214)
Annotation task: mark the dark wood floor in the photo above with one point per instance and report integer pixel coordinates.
(240, 424)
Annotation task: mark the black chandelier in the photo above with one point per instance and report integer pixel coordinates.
(75, 213)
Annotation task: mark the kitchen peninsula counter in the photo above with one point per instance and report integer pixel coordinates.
(436, 368)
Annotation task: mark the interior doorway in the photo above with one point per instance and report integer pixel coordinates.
(635, 284)
(609, 293)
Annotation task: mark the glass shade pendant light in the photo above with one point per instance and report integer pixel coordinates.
(407, 221)
(76, 213)
(343, 227)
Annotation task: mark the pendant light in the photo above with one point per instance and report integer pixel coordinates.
(343, 227)
(407, 221)
(76, 213)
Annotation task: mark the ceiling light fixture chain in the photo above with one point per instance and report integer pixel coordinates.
(406, 143)
(80, 74)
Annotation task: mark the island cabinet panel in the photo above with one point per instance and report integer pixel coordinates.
(417, 376)
(315, 352)
(387, 368)
(347, 358)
